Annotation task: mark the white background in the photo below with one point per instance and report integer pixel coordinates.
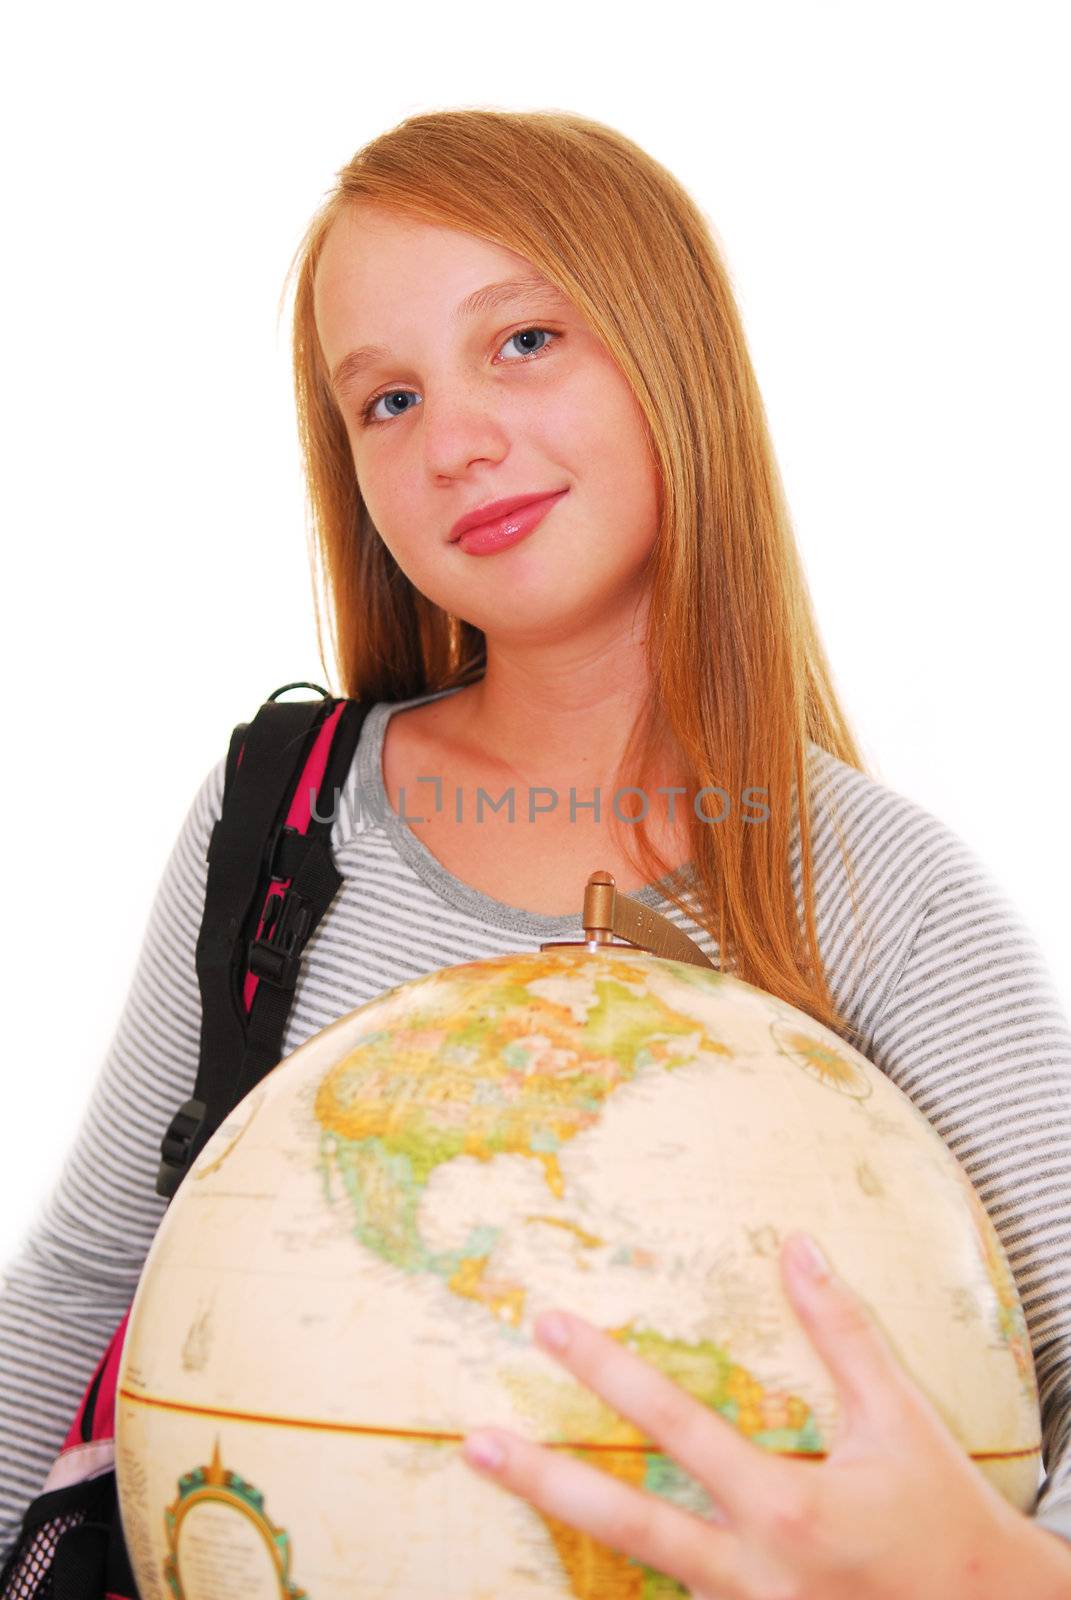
(888, 185)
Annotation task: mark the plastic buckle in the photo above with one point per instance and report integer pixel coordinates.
(276, 955)
(282, 832)
(177, 1145)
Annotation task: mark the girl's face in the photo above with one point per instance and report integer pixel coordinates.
(464, 405)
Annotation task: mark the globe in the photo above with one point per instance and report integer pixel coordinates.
(346, 1281)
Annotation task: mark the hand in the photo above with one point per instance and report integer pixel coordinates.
(896, 1509)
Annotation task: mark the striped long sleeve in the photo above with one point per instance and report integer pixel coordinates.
(974, 1033)
(76, 1273)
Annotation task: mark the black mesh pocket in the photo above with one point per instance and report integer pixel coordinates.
(62, 1548)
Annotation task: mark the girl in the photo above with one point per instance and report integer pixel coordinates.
(559, 564)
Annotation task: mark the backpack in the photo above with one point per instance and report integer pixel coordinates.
(271, 877)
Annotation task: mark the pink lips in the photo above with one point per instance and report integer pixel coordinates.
(499, 534)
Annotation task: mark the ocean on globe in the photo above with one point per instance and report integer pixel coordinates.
(346, 1281)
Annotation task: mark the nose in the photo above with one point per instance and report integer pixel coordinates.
(462, 424)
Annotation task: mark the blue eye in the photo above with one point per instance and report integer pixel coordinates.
(403, 394)
(523, 333)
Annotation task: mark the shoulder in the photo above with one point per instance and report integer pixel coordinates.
(897, 845)
(190, 850)
(892, 879)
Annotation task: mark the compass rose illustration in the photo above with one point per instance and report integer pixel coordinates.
(832, 1068)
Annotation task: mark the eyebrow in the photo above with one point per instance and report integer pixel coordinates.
(486, 299)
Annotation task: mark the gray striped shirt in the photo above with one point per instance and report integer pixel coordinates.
(955, 1000)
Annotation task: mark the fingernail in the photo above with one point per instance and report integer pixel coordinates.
(552, 1330)
(810, 1258)
(484, 1450)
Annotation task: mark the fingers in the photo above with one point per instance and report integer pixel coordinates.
(629, 1520)
(872, 1385)
(737, 1474)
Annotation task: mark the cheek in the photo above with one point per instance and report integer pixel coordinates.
(393, 504)
(609, 430)
(623, 476)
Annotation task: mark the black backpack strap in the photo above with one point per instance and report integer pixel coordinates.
(270, 879)
(302, 882)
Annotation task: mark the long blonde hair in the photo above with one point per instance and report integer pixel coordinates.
(739, 675)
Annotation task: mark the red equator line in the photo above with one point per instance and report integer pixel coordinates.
(322, 1426)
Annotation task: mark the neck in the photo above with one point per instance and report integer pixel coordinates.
(559, 712)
